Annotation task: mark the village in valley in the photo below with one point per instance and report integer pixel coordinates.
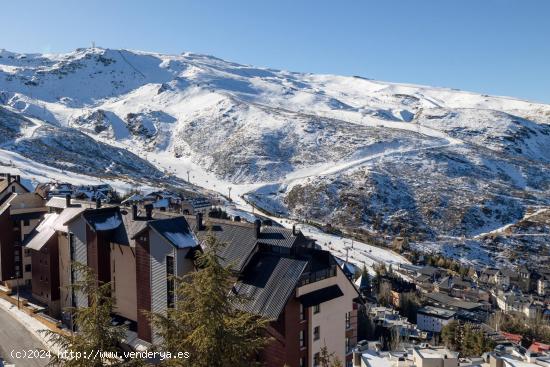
(391, 305)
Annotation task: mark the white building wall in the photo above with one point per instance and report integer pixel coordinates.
(78, 229)
(123, 280)
(159, 249)
(431, 323)
(332, 317)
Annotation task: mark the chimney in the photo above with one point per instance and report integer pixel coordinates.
(149, 211)
(17, 178)
(68, 200)
(8, 177)
(97, 203)
(134, 212)
(199, 221)
(294, 231)
(257, 226)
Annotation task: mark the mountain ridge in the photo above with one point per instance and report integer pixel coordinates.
(387, 157)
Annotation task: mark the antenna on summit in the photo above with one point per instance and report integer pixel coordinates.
(93, 44)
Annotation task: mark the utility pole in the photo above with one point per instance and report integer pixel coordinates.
(15, 278)
(18, 301)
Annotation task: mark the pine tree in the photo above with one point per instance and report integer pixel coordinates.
(327, 359)
(365, 286)
(205, 321)
(450, 335)
(94, 329)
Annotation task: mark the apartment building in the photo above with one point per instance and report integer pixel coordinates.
(20, 212)
(279, 272)
(285, 278)
(136, 252)
(433, 319)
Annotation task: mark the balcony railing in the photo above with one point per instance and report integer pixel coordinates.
(316, 276)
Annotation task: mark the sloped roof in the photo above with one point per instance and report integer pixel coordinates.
(176, 231)
(104, 219)
(67, 215)
(4, 184)
(267, 284)
(7, 201)
(132, 199)
(239, 239)
(131, 226)
(42, 233)
(278, 236)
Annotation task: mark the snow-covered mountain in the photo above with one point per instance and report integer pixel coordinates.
(362, 153)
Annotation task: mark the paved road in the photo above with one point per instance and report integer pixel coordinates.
(14, 336)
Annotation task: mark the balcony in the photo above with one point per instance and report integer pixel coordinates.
(312, 277)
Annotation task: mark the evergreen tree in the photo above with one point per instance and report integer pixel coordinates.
(94, 329)
(450, 335)
(205, 321)
(409, 304)
(327, 359)
(365, 286)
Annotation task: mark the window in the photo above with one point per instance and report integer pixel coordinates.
(316, 308)
(13, 189)
(303, 311)
(71, 245)
(316, 333)
(348, 345)
(170, 281)
(302, 338)
(302, 362)
(28, 268)
(316, 360)
(26, 223)
(348, 320)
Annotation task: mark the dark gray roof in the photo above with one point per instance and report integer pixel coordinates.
(267, 284)
(176, 231)
(5, 204)
(278, 236)
(446, 300)
(239, 239)
(103, 219)
(131, 227)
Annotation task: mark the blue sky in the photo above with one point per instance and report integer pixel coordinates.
(492, 46)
